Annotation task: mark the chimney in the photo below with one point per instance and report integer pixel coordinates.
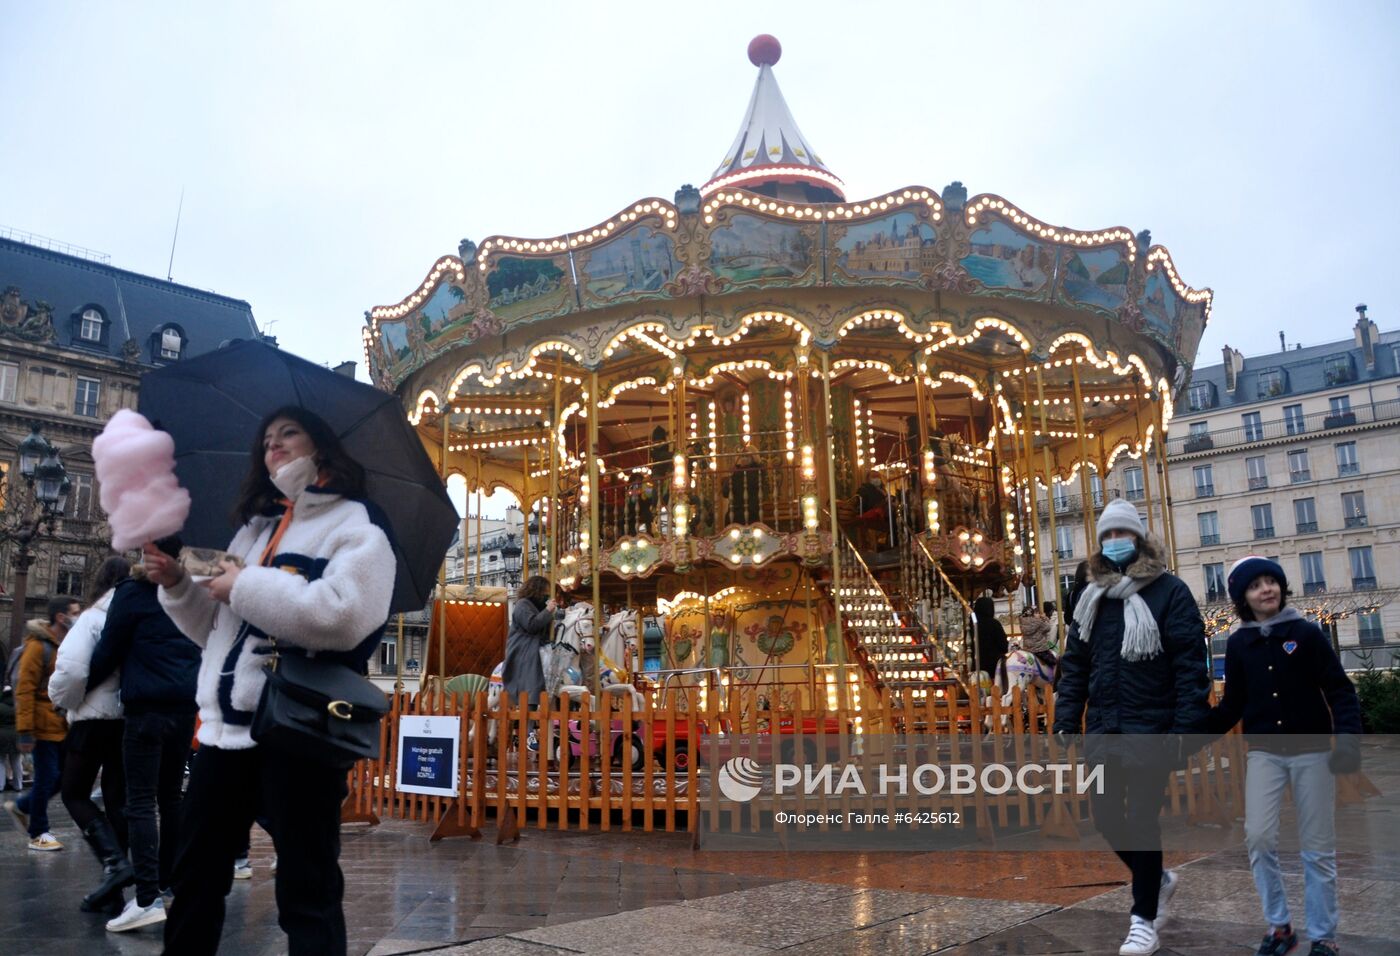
(346, 368)
(1366, 337)
(1234, 365)
(1282, 342)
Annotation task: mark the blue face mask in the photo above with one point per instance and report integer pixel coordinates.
(1119, 550)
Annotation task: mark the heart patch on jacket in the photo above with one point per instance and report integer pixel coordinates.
(1290, 646)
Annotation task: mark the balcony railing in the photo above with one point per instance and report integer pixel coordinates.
(1205, 491)
(1282, 428)
(1215, 594)
(1363, 584)
(1209, 539)
(1356, 521)
(1072, 504)
(1064, 554)
(1314, 587)
(1371, 636)
(1258, 481)
(1307, 527)
(1298, 477)
(1346, 469)
(1261, 534)
(1134, 494)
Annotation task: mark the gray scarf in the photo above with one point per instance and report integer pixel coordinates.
(1287, 614)
(1141, 639)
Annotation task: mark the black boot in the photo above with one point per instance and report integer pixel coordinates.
(116, 868)
(110, 905)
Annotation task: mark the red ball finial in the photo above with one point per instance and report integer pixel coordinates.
(764, 50)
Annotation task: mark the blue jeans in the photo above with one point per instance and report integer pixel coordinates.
(1314, 792)
(47, 772)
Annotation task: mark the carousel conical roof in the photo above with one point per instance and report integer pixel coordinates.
(770, 148)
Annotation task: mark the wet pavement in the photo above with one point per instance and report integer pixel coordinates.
(558, 893)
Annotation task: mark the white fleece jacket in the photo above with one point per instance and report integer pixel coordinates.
(68, 685)
(327, 589)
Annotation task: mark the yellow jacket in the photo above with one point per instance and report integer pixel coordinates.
(35, 717)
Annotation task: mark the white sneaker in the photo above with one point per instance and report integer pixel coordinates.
(1164, 898)
(241, 869)
(135, 916)
(45, 841)
(1141, 939)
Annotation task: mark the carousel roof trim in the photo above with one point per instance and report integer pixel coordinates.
(769, 147)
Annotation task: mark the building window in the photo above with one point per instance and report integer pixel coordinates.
(1298, 469)
(1096, 489)
(69, 579)
(1339, 369)
(388, 657)
(85, 399)
(1132, 483)
(1204, 481)
(80, 497)
(1258, 474)
(90, 326)
(1314, 579)
(1305, 513)
(1368, 627)
(1066, 586)
(1293, 419)
(1363, 570)
(1263, 518)
(1201, 396)
(1215, 581)
(1347, 462)
(1209, 523)
(1199, 428)
(1061, 496)
(1064, 541)
(9, 381)
(1272, 381)
(1199, 438)
(1339, 404)
(1253, 426)
(170, 344)
(1354, 509)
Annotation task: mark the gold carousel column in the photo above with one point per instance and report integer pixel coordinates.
(831, 494)
(442, 572)
(1169, 519)
(1145, 458)
(1030, 533)
(1085, 486)
(1050, 485)
(525, 518)
(553, 502)
(594, 489)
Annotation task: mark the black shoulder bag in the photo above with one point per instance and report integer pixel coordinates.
(321, 710)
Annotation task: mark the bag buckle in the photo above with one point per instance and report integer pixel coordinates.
(340, 709)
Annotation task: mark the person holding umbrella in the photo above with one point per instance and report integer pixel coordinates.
(312, 568)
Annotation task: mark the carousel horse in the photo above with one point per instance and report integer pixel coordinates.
(573, 639)
(618, 650)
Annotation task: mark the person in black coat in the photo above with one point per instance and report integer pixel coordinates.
(159, 667)
(992, 643)
(1136, 663)
(1283, 679)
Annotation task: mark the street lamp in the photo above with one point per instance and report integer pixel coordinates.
(47, 482)
(511, 556)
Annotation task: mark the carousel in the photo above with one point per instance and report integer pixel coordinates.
(802, 433)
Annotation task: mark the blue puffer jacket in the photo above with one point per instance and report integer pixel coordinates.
(159, 664)
(1166, 694)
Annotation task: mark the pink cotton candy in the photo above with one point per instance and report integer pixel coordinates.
(136, 473)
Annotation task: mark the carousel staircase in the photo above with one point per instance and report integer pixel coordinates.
(887, 631)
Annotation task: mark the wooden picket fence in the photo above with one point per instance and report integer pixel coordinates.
(668, 791)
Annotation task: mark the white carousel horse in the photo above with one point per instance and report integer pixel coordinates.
(573, 640)
(1019, 668)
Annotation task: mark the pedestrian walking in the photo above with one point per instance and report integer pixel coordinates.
(39, 727)
(158, 667)
(94, 745)
(1284, 680)
(317, 573)
(1135, 663)
(531, 621)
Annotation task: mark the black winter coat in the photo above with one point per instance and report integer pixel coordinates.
(1288, 682)
(1166, 694)
(159, 664)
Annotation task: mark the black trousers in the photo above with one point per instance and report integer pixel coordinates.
(1128, 813)
(95, 747)
(155, 746)
(301, 802)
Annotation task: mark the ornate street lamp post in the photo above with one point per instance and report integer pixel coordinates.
(511, 555)
(47, 484)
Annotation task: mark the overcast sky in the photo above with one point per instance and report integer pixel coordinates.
(329, 153)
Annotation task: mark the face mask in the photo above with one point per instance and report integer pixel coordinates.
(293, 477)
(1119, 550)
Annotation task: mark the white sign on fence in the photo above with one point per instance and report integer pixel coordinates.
(427, 761)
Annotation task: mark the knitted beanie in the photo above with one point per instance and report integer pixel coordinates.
(1118, 515)
(1246, 569)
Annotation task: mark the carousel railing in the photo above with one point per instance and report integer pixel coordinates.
(938, 606)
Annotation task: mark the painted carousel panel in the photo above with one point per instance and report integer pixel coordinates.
(635, 264)
(897, 246)
(750, 249)
(521, 287)
(1004, 259)
(1096, 277)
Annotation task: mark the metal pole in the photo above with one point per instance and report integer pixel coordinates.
(1085, 488)
(831, 494)
(553, 527)
(525, 520)
(1030, 539)
(398, 658)
(594, 490)
(1145, 459)
(22, 561)
(1050, 484)
(1168, 519)
(442, 572)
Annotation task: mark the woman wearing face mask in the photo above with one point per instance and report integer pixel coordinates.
(1283, 678)
(1136, 663)
(317, 575)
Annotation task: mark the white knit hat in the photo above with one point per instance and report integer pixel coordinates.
(1118, 515)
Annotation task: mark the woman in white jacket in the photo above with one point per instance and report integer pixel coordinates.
(317, 574)
(94, 744)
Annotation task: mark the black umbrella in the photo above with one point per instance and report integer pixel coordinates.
(212, 405)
